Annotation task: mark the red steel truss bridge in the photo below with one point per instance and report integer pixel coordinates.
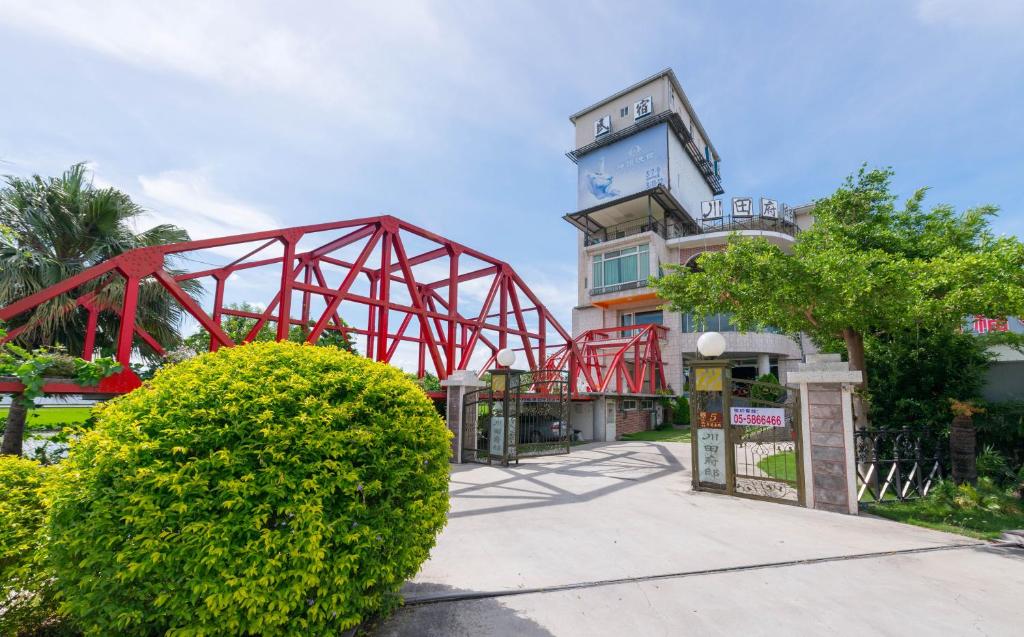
(407, 295)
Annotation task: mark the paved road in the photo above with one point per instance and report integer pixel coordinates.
(611, 540)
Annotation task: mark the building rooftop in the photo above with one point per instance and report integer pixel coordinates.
(670, 74)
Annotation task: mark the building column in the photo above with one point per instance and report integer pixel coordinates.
(457, 386)
(826, 435)
(764, 365)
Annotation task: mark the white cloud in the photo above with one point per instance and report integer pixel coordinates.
(188, 199)
(994, 15)
(361, 61)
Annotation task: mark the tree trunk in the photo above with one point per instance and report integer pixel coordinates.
(962, 447)
(855, 352)
(15, 429)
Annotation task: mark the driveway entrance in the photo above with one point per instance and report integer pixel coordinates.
(620, 520)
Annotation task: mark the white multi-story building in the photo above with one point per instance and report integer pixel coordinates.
(649, 195)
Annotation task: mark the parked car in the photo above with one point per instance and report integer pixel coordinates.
(541, 431)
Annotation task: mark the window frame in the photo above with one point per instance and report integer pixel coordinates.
(641, 253)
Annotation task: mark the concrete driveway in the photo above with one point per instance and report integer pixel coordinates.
(611, 540)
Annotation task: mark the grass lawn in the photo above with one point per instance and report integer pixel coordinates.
(983, 512)
(50, 417)
(781, 466)
(668, 435)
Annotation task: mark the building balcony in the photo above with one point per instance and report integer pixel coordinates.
(617, 287)
(670, 229)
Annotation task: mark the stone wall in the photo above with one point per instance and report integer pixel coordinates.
(828, 448)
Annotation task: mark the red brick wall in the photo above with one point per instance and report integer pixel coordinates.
(685, 254)
(631, 421)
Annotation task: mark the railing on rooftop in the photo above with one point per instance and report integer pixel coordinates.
(674, 230)
(736, 224)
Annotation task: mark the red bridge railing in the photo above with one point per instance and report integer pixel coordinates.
(399, 287)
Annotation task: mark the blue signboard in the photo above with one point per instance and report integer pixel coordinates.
(626, 167)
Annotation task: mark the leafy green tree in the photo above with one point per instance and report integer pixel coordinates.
(917, 373)
(238, 327)
(866, 267)
(53, 228)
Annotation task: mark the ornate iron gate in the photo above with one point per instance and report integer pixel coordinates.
(746, 438)
(519, 414)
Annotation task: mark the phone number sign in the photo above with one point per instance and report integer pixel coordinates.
(758, 416)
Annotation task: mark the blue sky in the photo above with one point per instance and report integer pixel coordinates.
(453, 115)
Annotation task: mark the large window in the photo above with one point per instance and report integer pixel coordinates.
(650, 317)
(714, 323)
(621, 267)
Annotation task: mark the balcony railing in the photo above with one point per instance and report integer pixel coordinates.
(673, 230)
(629, 228)
(618, 287)
(735, 224)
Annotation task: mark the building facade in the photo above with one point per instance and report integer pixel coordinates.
(649, 194)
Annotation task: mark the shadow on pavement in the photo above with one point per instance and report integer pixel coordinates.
(533, 483)
(488, 616)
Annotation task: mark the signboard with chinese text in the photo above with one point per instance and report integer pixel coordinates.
(711, 210)
(603, 126)
(742, 207)
(986, 324)
(769, 208)
(711, 454)
(709, 420)
(622, 168)
(643, 107)
(757, 416)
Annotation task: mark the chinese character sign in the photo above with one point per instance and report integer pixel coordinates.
(711, 210)
(769, 208)
(643, 107)
(984, 325)
(742, 206)
(711, 456)
(603, 126)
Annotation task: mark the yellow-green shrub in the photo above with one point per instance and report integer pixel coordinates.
(267, 489)
(25, 592)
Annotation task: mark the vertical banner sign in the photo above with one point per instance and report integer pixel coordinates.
(711, 449)
(742, 207)
(769, 208)
(711, 210)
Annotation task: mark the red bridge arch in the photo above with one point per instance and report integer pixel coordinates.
(399, 287)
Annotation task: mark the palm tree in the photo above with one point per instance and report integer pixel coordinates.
(53, 228)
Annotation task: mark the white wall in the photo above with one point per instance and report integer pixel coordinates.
(685, 180)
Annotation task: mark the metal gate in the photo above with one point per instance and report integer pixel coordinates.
(517, 415)
(746, 439)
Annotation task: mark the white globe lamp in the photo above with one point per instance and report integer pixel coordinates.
(711, 345)
(506, 357)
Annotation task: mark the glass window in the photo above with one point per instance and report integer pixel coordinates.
(646, 404)
(651, 317)
(628, 404)
(627, 265)
(693, 322)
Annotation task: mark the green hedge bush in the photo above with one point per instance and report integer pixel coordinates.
(26, 600)
(267, 489)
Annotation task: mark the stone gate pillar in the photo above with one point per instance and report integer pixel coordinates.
(826, 404)
(457, 385)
